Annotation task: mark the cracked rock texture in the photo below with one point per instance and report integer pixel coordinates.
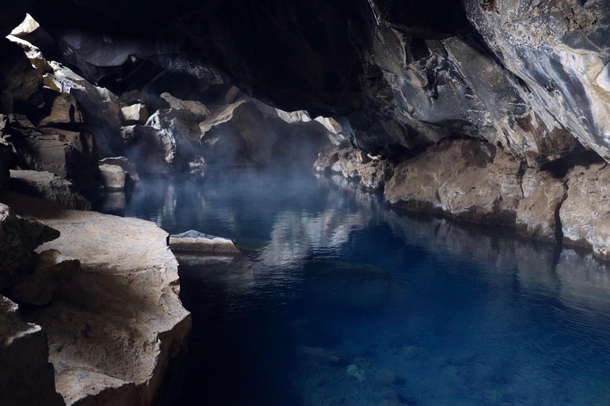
(115, 326)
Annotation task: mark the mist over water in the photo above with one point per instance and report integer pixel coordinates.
(340, 301)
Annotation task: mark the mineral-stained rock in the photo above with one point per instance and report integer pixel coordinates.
(538, 212)
(134, 114)
(585, 213)
(469, 180)
(26, 375)
(51, 270)
(18, 238)
(113, 328)
(48, 186)
(113, 177)
(69, 154)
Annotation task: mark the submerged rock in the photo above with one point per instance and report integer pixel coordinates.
(194, 241)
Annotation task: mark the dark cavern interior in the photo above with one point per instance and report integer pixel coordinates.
(309, 203)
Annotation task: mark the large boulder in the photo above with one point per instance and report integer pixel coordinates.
(152, 151)
(466, 179)
(18, 239)
(48, 186)
(538, 212)
(115, 327)
(134, 114)
(113, 177)
(585, 213)
(26, 375)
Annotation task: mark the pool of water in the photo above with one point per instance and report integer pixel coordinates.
(340, 301)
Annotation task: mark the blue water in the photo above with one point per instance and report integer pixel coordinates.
(340, 301)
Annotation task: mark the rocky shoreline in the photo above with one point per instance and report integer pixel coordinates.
(477, 182)
(113, 326)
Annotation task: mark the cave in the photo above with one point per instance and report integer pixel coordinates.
(258, 202)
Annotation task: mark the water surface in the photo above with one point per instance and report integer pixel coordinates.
(341, 301)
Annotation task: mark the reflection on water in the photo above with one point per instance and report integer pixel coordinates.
(340, 301)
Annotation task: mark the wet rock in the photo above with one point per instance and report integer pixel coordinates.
(538, 212)
(194, 241)
(18, 239)
(48, 186)
(114, 328)
(134, 114)
(113, 177)
(357, 373)
(51, 270)
(26, 375)
(585, 218)
(69, 154)
(469, 180)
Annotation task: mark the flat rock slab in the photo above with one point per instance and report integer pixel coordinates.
(114, 328)
(194, 241)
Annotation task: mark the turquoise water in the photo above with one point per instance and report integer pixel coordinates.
(340, 301)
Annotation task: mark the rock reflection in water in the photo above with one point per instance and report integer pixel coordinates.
(338, 300)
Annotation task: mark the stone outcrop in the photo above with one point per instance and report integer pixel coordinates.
(18, 238)
(194, 241)
(48, 186)
(69, 154)
(26, 375)
(585, 217)
(134, 114)
(51, 271)
(469, 180)
(371, 173)
(114, 327)
(113, 177)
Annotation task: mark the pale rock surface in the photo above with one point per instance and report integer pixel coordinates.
(51, 271)
(195, 241)
(113, 177)
(48, 186)
(194, 107)
(134, 114)
(585, 214)
(538, 212)
(124, 163)
(26, 375)
(114, 328)
(467, 179)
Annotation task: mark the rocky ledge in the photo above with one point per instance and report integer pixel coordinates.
(477, 182)
(114, 326)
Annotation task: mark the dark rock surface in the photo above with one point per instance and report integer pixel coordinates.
(48, 186)
(18, 239)
(26, 375)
